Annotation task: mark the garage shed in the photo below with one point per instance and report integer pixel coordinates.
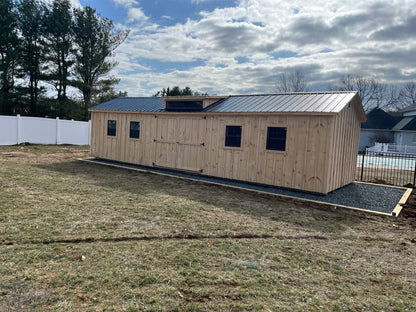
(304, 141)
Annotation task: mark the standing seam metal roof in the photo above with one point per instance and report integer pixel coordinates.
(133, 104)
(313, 102)
(310, 102)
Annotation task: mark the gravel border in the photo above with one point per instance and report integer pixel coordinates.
(363, 196)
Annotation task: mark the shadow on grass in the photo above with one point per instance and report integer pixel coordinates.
(314, 216)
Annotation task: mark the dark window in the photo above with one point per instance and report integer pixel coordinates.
(189, 106)
(233, 136)
(111, 128)
(134, 129)
(276, 138)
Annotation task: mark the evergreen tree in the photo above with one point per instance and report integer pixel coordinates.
(32, 30)
(9, 54)
(96, 41)
(60, 50)
(177, 91)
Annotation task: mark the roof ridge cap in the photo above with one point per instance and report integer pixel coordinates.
(295, 93)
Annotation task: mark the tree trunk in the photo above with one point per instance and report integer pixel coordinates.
(87, 103)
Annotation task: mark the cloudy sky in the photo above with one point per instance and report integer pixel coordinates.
(242, 46)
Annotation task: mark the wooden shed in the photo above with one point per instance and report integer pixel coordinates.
(304, 141)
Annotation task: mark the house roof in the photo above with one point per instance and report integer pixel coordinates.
(310, 102)
(379, 119)
(402, 123)
(410, 126)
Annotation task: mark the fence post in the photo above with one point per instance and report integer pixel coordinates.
(362, 165)
(58, 132)
(19, 129)
(414, 175)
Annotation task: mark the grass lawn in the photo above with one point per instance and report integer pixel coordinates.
(84, 237)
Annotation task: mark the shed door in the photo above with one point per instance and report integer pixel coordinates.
(180, 143)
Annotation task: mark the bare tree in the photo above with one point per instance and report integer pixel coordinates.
(393, 97)
(292, 82)
(372, 91)
(408, 94)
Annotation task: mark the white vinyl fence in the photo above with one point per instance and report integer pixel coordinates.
(17, 129)
(392, 148)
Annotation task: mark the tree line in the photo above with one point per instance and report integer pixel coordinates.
(177, 91)
(54, 48)
(372, 91)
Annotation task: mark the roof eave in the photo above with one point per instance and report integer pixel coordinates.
(359, 108)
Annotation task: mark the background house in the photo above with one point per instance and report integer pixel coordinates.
(389, 127)
(305, 141)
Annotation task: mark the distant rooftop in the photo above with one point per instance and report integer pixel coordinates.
(378, 119)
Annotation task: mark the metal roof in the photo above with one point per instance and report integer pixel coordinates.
(310, 102)
(133, 104)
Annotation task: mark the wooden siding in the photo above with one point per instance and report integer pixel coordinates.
(344, 147)
(318, 156)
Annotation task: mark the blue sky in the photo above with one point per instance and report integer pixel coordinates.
(242, 46)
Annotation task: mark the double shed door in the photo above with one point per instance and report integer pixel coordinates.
(179, 143)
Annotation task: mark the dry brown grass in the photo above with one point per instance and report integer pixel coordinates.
(154, 243)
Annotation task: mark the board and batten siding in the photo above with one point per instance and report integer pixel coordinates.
(344, 146)
(195, 142)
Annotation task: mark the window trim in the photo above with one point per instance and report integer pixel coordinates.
(111, 129)
(130, 130)
(230, 138)
(270, 141)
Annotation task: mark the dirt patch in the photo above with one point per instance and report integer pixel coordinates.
(409, 210)
(17, 154)
(25, 156)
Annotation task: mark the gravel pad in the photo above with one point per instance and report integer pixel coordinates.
(377, 198)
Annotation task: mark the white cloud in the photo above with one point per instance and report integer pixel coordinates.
(363, 37)
(136, 14)
(199, 1)
(126, 3)
(128, 64)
